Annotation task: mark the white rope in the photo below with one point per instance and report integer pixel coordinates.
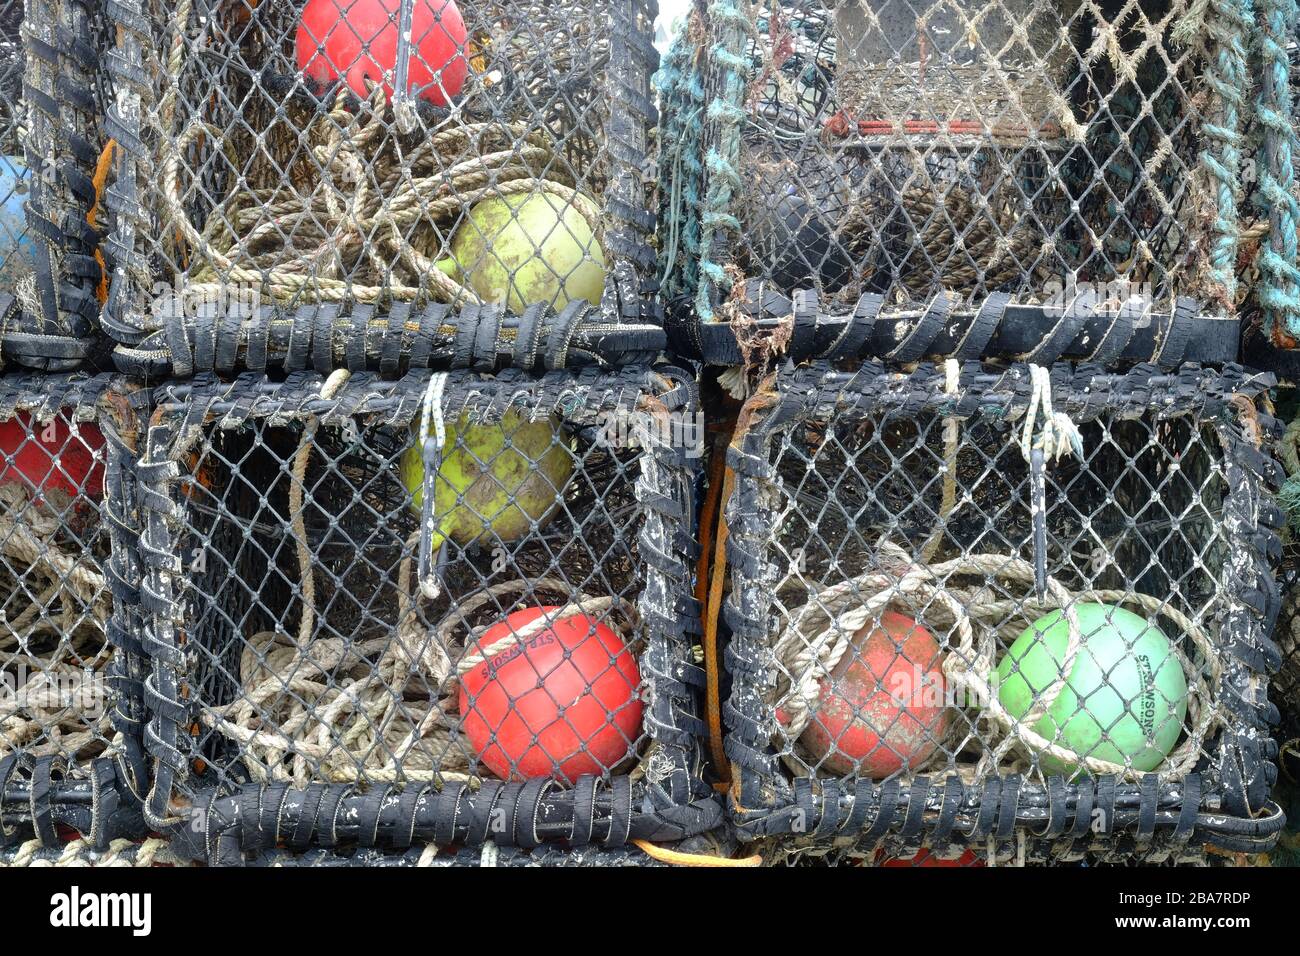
(820, 633)
(431, 411)
(80, 853)
(1059, 434)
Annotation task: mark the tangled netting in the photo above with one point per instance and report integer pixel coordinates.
(52, 631)
(984, 601)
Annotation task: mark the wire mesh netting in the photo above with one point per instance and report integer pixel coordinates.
(1058, 152)
(943, 580)
(55, 604)
(16, 246)
(1286, 683)
(381, 151)
(540, 635)
(69, 670)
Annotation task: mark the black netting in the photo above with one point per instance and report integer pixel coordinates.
(933, 599)
(540, 640)
(300, 155)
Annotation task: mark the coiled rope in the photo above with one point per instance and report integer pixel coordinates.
(821, 632)
(359, 218)
(382, 710)
(56, 644)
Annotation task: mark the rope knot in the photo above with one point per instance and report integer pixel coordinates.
(1058, 434)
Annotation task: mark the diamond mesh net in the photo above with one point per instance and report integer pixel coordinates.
(305, 154)
(531, 643)
(54, 602)
(951, 582)
(908, 147)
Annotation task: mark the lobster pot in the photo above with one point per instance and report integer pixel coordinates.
(50, 138)
(1021, 612)
(1286, 683)
(69, 672)
(155, 852)
(525, 676)
(368, 175)
(935, 156)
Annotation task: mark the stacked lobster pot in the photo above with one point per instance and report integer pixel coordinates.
(1018, 612)
(998, 575)
(387, 526)
(959, 177)
(395, 183)
(407, 616)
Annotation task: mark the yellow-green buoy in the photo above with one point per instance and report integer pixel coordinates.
(522, 250)
(494, 480)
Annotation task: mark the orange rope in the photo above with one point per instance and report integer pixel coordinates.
(708, 512)
(712, 611)
(100, 179)
(706, 581)
(677, 858)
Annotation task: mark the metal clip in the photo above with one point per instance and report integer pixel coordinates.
(1038, 514)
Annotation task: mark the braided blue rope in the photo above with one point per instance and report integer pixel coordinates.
(1279, 286)
(681, 174)
(724, 112)
(1228, 25)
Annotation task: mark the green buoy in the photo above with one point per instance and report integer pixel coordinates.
(522, 250)
(1126, 695)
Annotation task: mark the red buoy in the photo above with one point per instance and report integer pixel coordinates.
(562, 704)
(52, 457)
(882, 709)
(357, 40)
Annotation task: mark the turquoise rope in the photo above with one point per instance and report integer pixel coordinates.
(727, 117)
(1279, 289)
(1228, 26)
(681, 173)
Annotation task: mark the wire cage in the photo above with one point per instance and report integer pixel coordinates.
(372, 173)
(51, 108)
(1286, 683)
(71, 705)
(488, 855)
(1021, 611)
(334, 664)
(911, 164)
(19, 260)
